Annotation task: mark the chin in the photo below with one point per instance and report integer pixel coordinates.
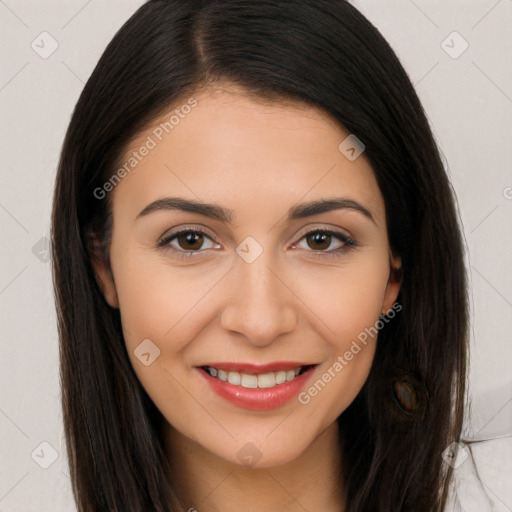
(264, 455)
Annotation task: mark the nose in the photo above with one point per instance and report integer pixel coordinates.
(261, 303)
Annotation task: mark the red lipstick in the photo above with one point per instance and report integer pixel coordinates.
(257, 398)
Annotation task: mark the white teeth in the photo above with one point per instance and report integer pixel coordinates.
(251, 381)
(266, 380)
(234, 378)
(280, 377)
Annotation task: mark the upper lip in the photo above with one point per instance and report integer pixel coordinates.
(257, 368)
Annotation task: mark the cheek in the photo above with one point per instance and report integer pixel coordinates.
(160, 304)
(346, 299)
(172, 304)
(348, 302)
(157, 300)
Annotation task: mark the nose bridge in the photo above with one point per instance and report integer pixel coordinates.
(260, 306)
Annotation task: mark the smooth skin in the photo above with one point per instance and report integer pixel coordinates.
(304, 299)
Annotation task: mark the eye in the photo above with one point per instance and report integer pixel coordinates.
(321, 239)
(188, 241)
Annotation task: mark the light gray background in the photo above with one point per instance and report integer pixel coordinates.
(468, 100)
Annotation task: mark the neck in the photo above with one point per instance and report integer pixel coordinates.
(204, 481)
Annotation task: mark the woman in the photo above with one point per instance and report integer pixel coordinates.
(258, 269)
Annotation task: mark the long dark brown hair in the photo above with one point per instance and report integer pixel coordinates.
(323, 53)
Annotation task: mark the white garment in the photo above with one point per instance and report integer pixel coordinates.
(482, 479)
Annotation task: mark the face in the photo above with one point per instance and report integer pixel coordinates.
(244, 320)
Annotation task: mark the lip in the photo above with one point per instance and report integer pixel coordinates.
(256, 398)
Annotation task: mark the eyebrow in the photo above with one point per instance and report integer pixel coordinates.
(225, 215)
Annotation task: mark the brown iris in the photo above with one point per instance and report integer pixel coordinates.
(321, 239)
(193, 239)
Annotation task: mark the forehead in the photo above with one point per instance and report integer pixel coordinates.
(244, 153)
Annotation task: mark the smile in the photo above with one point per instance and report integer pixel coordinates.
(257, 387)
(252, 381)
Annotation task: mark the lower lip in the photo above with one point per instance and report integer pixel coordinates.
(259, 399)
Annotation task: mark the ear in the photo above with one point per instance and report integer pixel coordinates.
(393, 284)
(100, 262)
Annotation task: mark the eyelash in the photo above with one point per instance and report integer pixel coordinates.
(348, 242)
